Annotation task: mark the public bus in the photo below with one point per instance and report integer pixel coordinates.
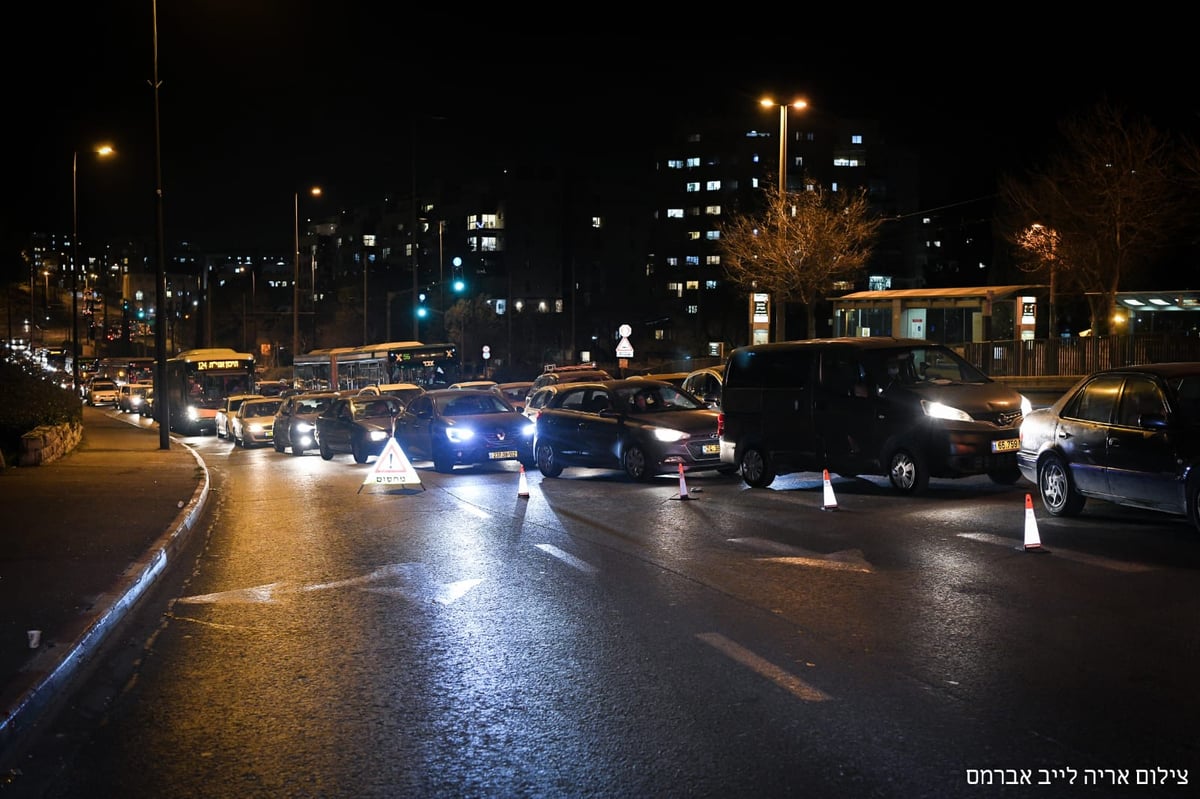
(197, 383)
(344, 368)
(128, 369)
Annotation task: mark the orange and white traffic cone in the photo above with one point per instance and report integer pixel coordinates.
(830, 501)
(523, 484)
(683, 492)
(1033, 541)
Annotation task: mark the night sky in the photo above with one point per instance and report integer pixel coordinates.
(261, 98)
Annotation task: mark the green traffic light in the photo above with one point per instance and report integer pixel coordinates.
(459, 285)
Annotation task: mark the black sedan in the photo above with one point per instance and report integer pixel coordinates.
(464, 426)
(641, 426)
(1130, 436)
(360, 425)
(296, 420)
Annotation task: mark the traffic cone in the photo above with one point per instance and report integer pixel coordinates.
(1033, 541)
(830, 501)
(683, 492)
(523, 484)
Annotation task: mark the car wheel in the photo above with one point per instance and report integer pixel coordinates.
(633, 460)
(443, 463)
(278, 446)
(296, 450)
(757, 469)
(1057, 488)
(547, 461)
(357, 451)
(326, 452)
(907, 472)
(220, 433)
(1005, 477)
(1193, 502)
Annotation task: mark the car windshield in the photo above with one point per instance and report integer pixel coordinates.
(655, 399)
(313, 405)
(375, 407)
(473, 405)
(261, 408)
(914, 365)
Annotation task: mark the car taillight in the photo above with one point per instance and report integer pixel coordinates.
(720, 425)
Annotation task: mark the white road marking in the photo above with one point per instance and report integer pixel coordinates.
(1078, 557)
(845, 560)
(785, 680)
(567, 558)
(413, 583)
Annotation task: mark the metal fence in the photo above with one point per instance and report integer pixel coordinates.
(1078, 356)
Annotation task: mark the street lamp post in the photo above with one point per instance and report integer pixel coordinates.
(315, 191)
(103, 151)
(767, 102)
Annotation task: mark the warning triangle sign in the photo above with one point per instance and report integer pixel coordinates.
(392, 468)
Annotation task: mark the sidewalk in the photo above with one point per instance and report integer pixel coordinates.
(83, 539)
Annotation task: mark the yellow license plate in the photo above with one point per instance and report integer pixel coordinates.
(503, 454)
(711, 449)
(1007, 445)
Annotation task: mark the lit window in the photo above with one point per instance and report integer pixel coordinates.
(558, 305)
(674, 163)
(672, 260)
(673, 287)
(856, 138)
(712, 260)
(692, 285)
(693, 235)
(596, 222)
(489, 243)
(693, 309)
(693, 260)
(710, 284)
(712, 235)
(674, 213)
(693, 162)
(693, 186)
(712, 210)
(713, 185)
(847, 162)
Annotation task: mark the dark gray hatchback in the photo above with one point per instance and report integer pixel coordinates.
(906, 408)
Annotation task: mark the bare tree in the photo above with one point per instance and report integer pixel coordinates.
(1105, 206)
(798, 247)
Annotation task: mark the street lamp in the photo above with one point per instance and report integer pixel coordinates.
(315, 191)
(767, 102)
(103, 151)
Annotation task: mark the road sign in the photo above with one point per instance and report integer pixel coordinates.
(624, 348)
(392, 468)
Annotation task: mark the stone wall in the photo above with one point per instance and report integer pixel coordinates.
(48, 443)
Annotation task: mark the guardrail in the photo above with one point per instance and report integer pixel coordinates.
(1078, 356)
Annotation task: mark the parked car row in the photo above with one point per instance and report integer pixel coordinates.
(906, 409)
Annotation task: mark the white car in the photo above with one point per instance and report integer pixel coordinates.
(102, 392)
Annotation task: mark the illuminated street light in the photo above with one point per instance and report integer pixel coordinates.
(767, 102)
(103, 151)
(315, 191)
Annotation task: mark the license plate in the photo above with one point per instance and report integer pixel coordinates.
(711, 449)
(1007, 445)
(503, 454)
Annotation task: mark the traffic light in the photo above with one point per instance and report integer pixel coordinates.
(422, 308)
(457, 283)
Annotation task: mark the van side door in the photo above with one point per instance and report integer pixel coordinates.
(844, 413)
(787, 401)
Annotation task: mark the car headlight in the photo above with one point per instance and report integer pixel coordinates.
(378, 435)
(529, 429)
(256, 428)
(936, 410)
(304, 427)
(192, 413)
(669, 434)
(459, 435)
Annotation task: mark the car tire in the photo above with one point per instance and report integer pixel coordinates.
(326, 452)
(1005, 477)
(633, 461)
(1193, 503)
(756, 467)
(907, 471)
(357, 451)
(442, 463)
(296, 450)
(278, 445)
(547, 460)
(1057, 488)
